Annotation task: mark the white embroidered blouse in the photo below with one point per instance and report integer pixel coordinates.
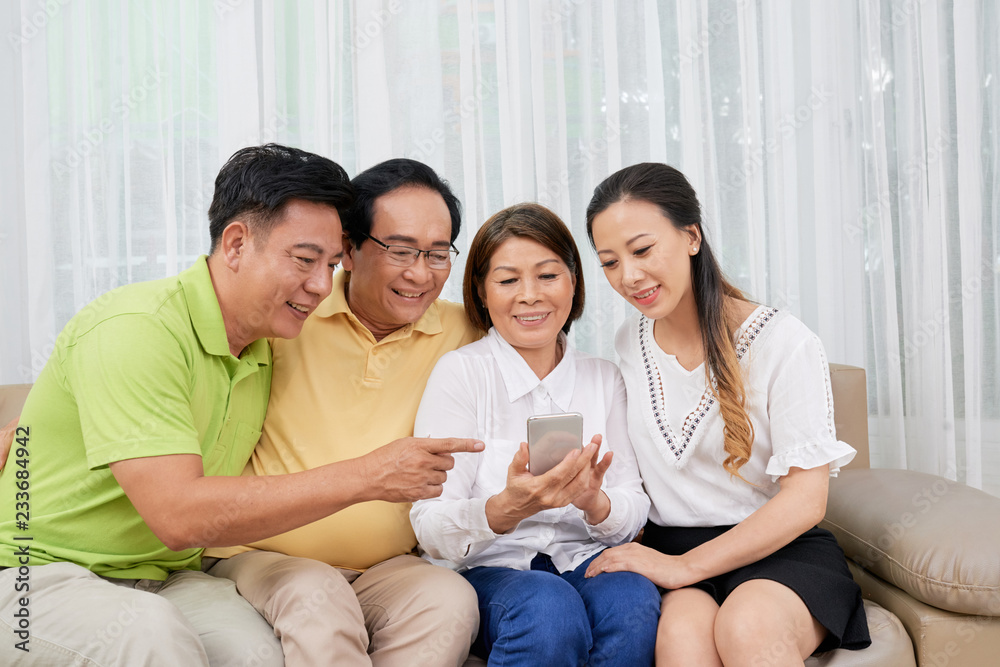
(676, 428)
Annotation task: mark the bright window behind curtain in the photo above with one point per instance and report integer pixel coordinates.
(846, 155)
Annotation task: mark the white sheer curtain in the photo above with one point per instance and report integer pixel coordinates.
(846, 155)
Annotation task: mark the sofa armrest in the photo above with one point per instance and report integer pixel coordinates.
(935, 539)
(939, 637)
(850, 411)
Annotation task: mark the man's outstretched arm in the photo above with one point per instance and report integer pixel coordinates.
(186, 509)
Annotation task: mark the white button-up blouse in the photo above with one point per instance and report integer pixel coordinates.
(487, 391)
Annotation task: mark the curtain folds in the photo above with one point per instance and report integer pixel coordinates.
(846, 155)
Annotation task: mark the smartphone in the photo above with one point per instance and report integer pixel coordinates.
(551, 438)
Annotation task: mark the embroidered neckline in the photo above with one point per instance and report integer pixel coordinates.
(679, 446)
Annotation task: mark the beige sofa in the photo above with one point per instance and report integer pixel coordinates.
(925, 550)
(922, 547)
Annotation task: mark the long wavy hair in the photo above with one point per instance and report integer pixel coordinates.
(668, 189)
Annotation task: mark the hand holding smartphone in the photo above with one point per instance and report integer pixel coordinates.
(551, 438)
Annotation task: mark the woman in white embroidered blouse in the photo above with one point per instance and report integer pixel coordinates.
(524, 542)
(731, 418)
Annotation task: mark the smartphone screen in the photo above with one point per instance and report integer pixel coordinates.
(551, 438)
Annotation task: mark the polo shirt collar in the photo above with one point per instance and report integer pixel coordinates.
(203, 306)
(206, 314)
(260, 350)
(336, 304)
(520, 380)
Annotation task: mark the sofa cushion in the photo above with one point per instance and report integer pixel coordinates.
(890, 645)
(936, 539)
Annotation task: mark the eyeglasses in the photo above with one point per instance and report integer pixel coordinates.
(403, 255)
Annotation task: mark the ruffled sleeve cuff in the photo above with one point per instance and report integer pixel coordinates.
(811, 455)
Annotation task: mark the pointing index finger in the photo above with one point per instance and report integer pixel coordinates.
(452, 445)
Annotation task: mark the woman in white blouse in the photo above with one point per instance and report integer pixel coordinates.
(523, 541)
(731, 418)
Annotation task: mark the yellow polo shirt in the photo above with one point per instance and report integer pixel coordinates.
(337, 394)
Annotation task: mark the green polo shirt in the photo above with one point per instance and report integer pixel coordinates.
(145, 370)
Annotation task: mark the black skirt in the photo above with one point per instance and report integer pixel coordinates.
(813, 565)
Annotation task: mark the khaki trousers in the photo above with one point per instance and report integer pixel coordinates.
(403, 611)
(78, 619)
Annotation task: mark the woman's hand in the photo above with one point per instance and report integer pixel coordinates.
(527, 494)
(666, 571)
(593, 501)
(797, 507)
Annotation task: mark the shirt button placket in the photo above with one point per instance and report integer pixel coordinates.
(540, 403)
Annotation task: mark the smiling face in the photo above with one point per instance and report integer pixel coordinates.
(283, 277)
(528, 291)
(386, 297)
(645, 257)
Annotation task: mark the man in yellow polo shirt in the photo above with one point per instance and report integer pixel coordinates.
(152, 400)
(347, 589)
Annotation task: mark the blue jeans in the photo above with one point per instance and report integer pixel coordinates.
(541, 617)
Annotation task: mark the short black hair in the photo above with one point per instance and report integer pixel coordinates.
(382, 179)
(257, 182)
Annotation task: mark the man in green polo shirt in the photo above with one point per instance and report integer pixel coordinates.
(131, 441)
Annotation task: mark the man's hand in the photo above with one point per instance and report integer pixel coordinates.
(412, 469)
(527, 494)
(6, 440)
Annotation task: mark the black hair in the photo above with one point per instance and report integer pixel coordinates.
(391, 175)
(668, 189)
(257, 182)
